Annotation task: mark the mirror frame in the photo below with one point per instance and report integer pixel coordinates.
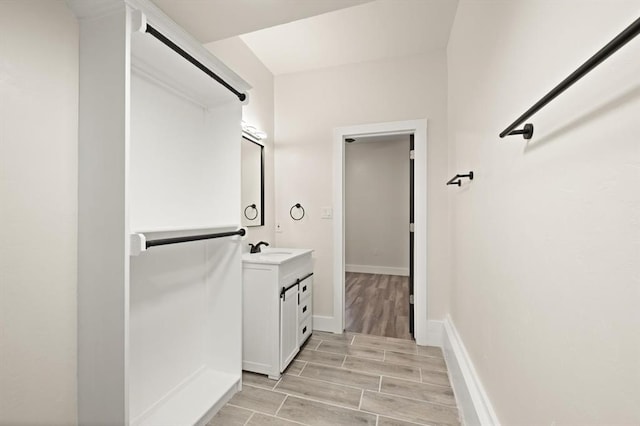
(261, 212)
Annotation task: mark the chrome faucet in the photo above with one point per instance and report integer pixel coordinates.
(256, 248)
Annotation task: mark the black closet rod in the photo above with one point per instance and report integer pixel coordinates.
(165, 241)
(623, 38)
(157, 34)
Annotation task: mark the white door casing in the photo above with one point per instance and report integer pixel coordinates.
(419, 129)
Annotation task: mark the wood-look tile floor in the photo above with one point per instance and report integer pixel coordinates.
(349, 379)
(377, 304)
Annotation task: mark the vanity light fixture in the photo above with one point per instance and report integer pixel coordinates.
(252, 133)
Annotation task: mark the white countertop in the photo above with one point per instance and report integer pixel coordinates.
(274, 256)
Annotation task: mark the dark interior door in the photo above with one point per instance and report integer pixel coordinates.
(411, 191)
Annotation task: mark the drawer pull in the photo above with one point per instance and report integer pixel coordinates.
(304, 309)
(304, 288)
(304, 330)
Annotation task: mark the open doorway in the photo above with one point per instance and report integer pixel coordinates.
(417, 128)
(378, 241)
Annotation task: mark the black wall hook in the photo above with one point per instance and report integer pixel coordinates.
(457, 179)
(296, 206)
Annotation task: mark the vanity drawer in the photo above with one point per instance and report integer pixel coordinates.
(304, 330)
(306, 287)
(295, 269)
(304, 309)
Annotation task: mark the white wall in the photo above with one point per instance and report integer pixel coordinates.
(251, 181)
(377, 205)
(309, 105)
(259, 112)
(546, 238)
(38, 212)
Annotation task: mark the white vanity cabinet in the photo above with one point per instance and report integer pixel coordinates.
(277, 308)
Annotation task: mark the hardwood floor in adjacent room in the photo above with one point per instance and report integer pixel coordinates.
(377, 304)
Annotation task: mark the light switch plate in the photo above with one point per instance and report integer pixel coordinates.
(326, 213)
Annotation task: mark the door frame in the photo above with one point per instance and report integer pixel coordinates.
(419, 130)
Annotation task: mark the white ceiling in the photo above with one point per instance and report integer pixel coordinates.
(211, 20)
(367, 32)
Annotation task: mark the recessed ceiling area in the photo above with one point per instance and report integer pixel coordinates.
(371, 31)
(290, 36)
(212, 20)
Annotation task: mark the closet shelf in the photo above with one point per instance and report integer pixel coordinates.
(183, 53)
(147, 52)
(191, 400)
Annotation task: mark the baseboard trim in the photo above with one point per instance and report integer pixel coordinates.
(473, 402)
(324, 323)
(382, 270)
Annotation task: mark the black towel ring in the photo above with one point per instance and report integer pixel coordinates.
(252, 206)
(296, 206)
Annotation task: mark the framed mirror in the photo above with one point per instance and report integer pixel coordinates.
(252, 183)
